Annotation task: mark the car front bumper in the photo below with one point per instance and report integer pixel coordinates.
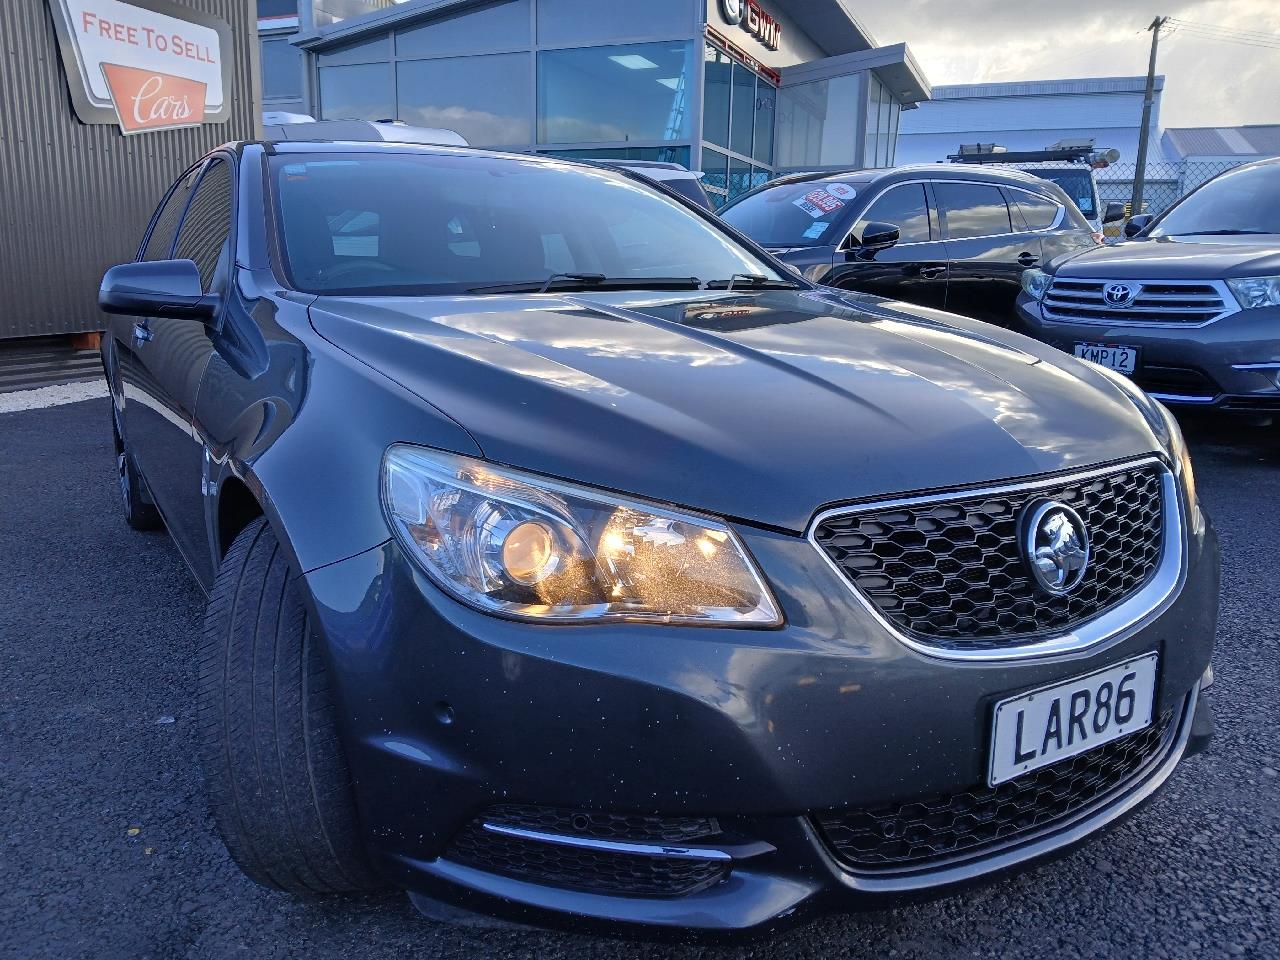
(448, 713)
(1231, 364)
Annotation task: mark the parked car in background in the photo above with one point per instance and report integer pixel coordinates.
(952, 237)
(567, 552)
(1079, 183)
(293, 126)
(672, 176)
(1188, 306)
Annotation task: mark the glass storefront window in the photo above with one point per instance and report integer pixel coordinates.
(717, 71)
(742, 112)
(359, 92)
(281, 69)
(716, 167)
(817, 123)
(766, 95)
(678, 155)
(739, 177)
(481, 97)
(630, 92)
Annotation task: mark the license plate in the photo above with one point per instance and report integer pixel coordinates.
(1053, 723)
(1123, 359)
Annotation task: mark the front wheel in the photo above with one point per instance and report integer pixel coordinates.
(274, 770)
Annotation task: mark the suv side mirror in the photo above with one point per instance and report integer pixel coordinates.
(1113, 211)
(1137, 224)
(874, 237)
(157, 288)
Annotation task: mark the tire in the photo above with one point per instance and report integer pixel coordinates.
(139, 512)
(277, 781)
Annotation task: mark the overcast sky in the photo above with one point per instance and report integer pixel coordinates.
(1207, 82)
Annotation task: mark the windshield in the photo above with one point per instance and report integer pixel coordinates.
(405, 224)
(802, 214)
(1245, 200)
(1077, 183)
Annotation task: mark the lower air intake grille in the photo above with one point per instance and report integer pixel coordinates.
(921, 832)
(604, 871)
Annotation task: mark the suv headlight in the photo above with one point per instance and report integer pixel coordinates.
(1256, 291)
(1035, 282)
(529, 547)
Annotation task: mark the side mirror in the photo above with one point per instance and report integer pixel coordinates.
(1113, 211)
(157, 288)
(1137, 224)
(875, 236)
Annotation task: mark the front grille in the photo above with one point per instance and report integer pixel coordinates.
(1172, 302)
(924, 831)
(951, 573)
(603, 871)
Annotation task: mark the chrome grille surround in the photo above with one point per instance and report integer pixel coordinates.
(1158, 303)
(1140, 606)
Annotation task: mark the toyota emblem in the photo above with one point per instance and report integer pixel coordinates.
(1120, 294)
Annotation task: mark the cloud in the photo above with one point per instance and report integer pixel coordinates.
(1207, 82)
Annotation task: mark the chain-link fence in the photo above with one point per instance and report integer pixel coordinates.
(1164, 182)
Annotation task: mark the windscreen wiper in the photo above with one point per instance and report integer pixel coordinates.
(590, 281)
(754, 281)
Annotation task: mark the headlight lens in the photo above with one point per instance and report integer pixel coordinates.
(538, 549)
(1035, 282)
(1256, 291)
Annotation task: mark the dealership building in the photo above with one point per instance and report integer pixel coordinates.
(740, 89)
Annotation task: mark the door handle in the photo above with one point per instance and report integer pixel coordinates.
(932, 272)
(142, 333)
(1027, 259)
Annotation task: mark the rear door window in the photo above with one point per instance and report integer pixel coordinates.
(907, 208)
(972, 209)
(207, 225)
(159, 245)
(1039, 213)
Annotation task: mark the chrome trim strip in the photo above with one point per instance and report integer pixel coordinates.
(1140, 607)
(1120, 317)
(1181, 398)
(1255, 366)
(1030, 849)
(612, 846)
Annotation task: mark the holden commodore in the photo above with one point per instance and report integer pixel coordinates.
(567, 553)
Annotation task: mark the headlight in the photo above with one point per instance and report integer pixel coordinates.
(1256, 291)
(524, 546)
(1163, 425)
(1035, 282)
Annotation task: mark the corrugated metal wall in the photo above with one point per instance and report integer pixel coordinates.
(74, 197)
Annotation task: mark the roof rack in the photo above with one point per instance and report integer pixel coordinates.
(1080, 151)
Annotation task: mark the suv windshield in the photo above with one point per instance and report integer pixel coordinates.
(1075, 181)
(791, 214)
(1245, 200)
(406, 224)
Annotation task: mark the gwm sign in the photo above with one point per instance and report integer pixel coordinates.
(751, 17)
(144, 65)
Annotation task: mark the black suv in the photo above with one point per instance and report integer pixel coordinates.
(1188, 306)
(954, 237)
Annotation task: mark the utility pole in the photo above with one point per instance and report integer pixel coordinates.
(1139, 174)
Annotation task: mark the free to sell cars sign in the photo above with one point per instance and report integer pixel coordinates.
(144, 64)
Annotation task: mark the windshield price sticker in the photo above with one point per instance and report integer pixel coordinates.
(816, 229)
(818, 203)
(841, 190)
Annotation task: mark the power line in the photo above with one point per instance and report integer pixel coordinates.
(1217, 28)
(1205, 32)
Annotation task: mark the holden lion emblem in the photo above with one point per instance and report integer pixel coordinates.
(1056, 545)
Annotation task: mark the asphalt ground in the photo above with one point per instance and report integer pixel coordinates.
(108, 850)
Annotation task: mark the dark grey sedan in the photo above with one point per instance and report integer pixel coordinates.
(565, 552)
